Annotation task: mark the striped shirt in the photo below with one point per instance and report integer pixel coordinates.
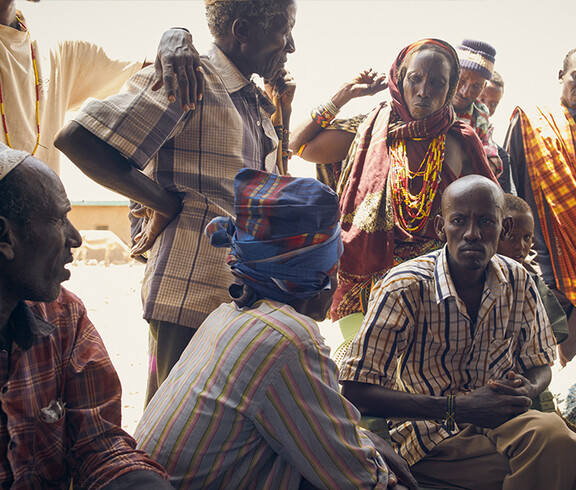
(254, 403)
(417, 337)
(196, 154)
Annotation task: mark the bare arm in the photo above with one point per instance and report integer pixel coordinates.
(378, 401)
(108, 167)
(323, 147)
(484, 407)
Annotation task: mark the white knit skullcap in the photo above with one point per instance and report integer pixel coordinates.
(10, 159)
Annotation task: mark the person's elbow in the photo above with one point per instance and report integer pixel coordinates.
(354, 393)
(84, 149)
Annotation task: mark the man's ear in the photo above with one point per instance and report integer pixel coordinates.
(241, 30)
(439, 227)
(507, 226)
(560, 75)
(7, 239)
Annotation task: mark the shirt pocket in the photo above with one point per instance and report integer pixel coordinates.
(501, 357)
(50, 451)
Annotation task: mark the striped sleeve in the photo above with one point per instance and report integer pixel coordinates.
(306, 420)
(372, 356)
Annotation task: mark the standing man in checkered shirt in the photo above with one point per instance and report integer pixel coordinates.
(454, 346)
(181, 165)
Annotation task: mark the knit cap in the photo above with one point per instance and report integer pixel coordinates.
(477, 56)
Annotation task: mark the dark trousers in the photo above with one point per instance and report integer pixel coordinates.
(166, 343)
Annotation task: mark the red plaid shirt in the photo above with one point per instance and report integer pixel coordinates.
(57, 355)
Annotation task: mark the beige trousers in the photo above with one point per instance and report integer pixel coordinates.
(532, 451)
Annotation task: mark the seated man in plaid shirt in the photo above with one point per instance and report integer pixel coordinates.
(454, 346)
(60, 404)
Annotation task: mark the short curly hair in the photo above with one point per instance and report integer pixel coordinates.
(516, 204)
(566, 61)
(221, 15)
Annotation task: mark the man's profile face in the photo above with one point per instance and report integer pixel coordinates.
(44, 244)
(269, 52)
(491, 96)
(469, 89)
(568, 79)
(471, 225)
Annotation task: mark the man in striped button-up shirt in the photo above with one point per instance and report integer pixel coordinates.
(454, 346)
(254, 402)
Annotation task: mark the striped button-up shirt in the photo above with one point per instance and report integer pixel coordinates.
(196, 154)
(417, 337)
(254, 403)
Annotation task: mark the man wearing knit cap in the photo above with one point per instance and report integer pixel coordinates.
(477, 64)
(60, 397)
(254, 399)
(181, 165)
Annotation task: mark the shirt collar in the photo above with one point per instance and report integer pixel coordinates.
(235, 81)
(25, 325)
(496, 278)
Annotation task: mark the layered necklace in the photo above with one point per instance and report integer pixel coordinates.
(36, 79)
(414, 209)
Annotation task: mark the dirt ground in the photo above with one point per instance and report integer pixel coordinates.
(112, 297)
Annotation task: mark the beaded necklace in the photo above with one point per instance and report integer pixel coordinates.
(21, 24)
(414, 209)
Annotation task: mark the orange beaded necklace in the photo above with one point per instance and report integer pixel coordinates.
(2, 112)
(414, 209)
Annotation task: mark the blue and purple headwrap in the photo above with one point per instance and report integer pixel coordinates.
(285, 241)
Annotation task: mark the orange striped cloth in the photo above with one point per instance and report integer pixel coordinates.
(551, 160)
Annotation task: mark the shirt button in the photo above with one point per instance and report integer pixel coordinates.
(4, 389)
(257, 123)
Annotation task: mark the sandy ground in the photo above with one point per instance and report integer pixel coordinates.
(112, 297)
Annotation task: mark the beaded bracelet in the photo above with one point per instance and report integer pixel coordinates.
(451, 412)
(324, 114)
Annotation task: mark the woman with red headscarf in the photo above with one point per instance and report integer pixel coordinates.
(396, 167)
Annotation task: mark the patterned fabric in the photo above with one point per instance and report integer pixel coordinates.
(68, 74)
(477, 116)
(196, 154)
(58, 357)
(371, 232)
(548, 140)
(417, 338)
(254, 403)
(329, 173)
(285, 241)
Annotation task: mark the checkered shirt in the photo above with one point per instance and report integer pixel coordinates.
(196, 154)
(57, 355)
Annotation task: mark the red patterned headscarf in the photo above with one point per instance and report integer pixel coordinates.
(370, 229)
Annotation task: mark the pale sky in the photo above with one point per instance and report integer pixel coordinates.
(335, 39)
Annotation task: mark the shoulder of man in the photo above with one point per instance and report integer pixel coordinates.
(411, 273)
(67, 309)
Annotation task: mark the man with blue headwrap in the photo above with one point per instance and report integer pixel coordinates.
(254, 399)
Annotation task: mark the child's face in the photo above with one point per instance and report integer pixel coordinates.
(517, 244)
